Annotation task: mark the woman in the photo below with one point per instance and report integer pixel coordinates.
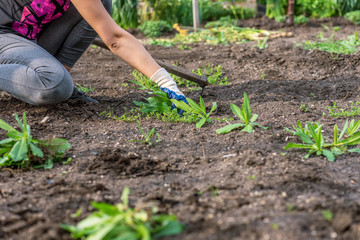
(41, 40)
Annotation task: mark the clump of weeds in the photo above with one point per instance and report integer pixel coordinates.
(198, 110)
(214, 74)
(20, 149)
(84, 88)
(120, 221)
(334, 111)
(244, 114)
(147, 134)
(316, 143)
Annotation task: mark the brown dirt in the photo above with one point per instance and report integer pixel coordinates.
(261, 193)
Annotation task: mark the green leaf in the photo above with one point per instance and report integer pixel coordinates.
(354, 150)
(196, 107)
(36, 151)
(253, 118)
(214, 106)
(125, 196)
(305, 138)
(105, 208)
(19, 122)
(329, 155)
(202, 104)
(236, 110)
(5, 141)
(19, 150)
(336, 132)
(343, 130)
(56, 145)
(168, 228)
(298, 145)
(248, 128)
(183, 106)
(49, 164)
(15, 135)
(229, 128)
(247, 106)
(352, 140)
(6, 126)
(201, 123)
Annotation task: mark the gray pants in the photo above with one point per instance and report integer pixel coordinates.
(33, 71)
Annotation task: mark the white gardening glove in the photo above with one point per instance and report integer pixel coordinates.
(168, 85)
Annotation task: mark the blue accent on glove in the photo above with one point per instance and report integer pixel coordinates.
(172, 95)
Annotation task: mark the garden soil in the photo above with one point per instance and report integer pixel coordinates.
(235, 186)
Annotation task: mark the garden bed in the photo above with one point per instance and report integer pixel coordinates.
(233, 186)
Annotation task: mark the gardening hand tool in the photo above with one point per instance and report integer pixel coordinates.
(201, 80)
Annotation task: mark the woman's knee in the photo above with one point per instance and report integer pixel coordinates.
(55, 94)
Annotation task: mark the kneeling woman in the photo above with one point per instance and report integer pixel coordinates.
(41, 40)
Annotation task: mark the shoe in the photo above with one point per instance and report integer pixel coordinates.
(80, 96)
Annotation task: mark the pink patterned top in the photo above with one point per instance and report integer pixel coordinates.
(31, 16)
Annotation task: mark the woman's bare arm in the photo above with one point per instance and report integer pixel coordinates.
(119, 41)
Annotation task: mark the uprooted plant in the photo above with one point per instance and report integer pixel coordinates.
(122, 222)
(20, 149)
(247, 119)
(313, 139)
(198, 110)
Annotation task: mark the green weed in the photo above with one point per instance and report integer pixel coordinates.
(158, 103)
(353, 16)
(346, 46)
(313, 139)
(198, 110)
(147, 135)
(354, 110)
(20, 149)
(304, 108)
(222, 22)
(244, 114)
(214, 74)
(154, 28)
(122, 222)
(327, 214)
(124, 12)
(262, 44)
(84, 88)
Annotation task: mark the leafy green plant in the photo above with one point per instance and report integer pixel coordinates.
(222, 22)
(304, 108)
(346, 46)
(198, 110)
(214, 74)
(21, 149)
(158, 103)
(124, 12)
(353, 17)
(155, 28)
(316, 8)
(147, 135)
(84, 88)
(116, 222)
(244, 114)
(313, 139)
(354, 110)
(262, 44)
(327, 214)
